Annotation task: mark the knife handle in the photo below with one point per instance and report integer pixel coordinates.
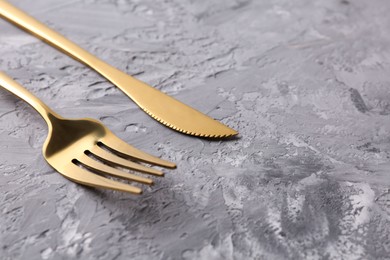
(30, 24)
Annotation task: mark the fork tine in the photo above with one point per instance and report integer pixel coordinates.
(105, 169)
(115, 143)
(79, 175)
(116, 160)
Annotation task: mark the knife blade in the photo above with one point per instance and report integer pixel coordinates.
(163, 108)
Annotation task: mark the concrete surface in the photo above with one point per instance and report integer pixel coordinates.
(305, 82)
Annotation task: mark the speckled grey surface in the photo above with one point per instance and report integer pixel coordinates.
(305, 82)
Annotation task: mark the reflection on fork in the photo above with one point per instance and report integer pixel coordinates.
(85, 151)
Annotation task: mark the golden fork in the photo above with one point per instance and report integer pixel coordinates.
(81, 149)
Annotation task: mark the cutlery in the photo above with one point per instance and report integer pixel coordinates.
(156, 104)
(84, 150)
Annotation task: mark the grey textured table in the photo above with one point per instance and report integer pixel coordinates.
(306, 83)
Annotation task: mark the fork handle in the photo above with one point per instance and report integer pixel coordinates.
(30, 24)
(19, 91)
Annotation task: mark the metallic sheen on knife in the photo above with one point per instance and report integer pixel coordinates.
(158, 105)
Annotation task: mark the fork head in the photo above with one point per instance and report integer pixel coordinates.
(85, 151)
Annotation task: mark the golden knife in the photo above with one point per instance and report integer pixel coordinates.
(158, 105)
